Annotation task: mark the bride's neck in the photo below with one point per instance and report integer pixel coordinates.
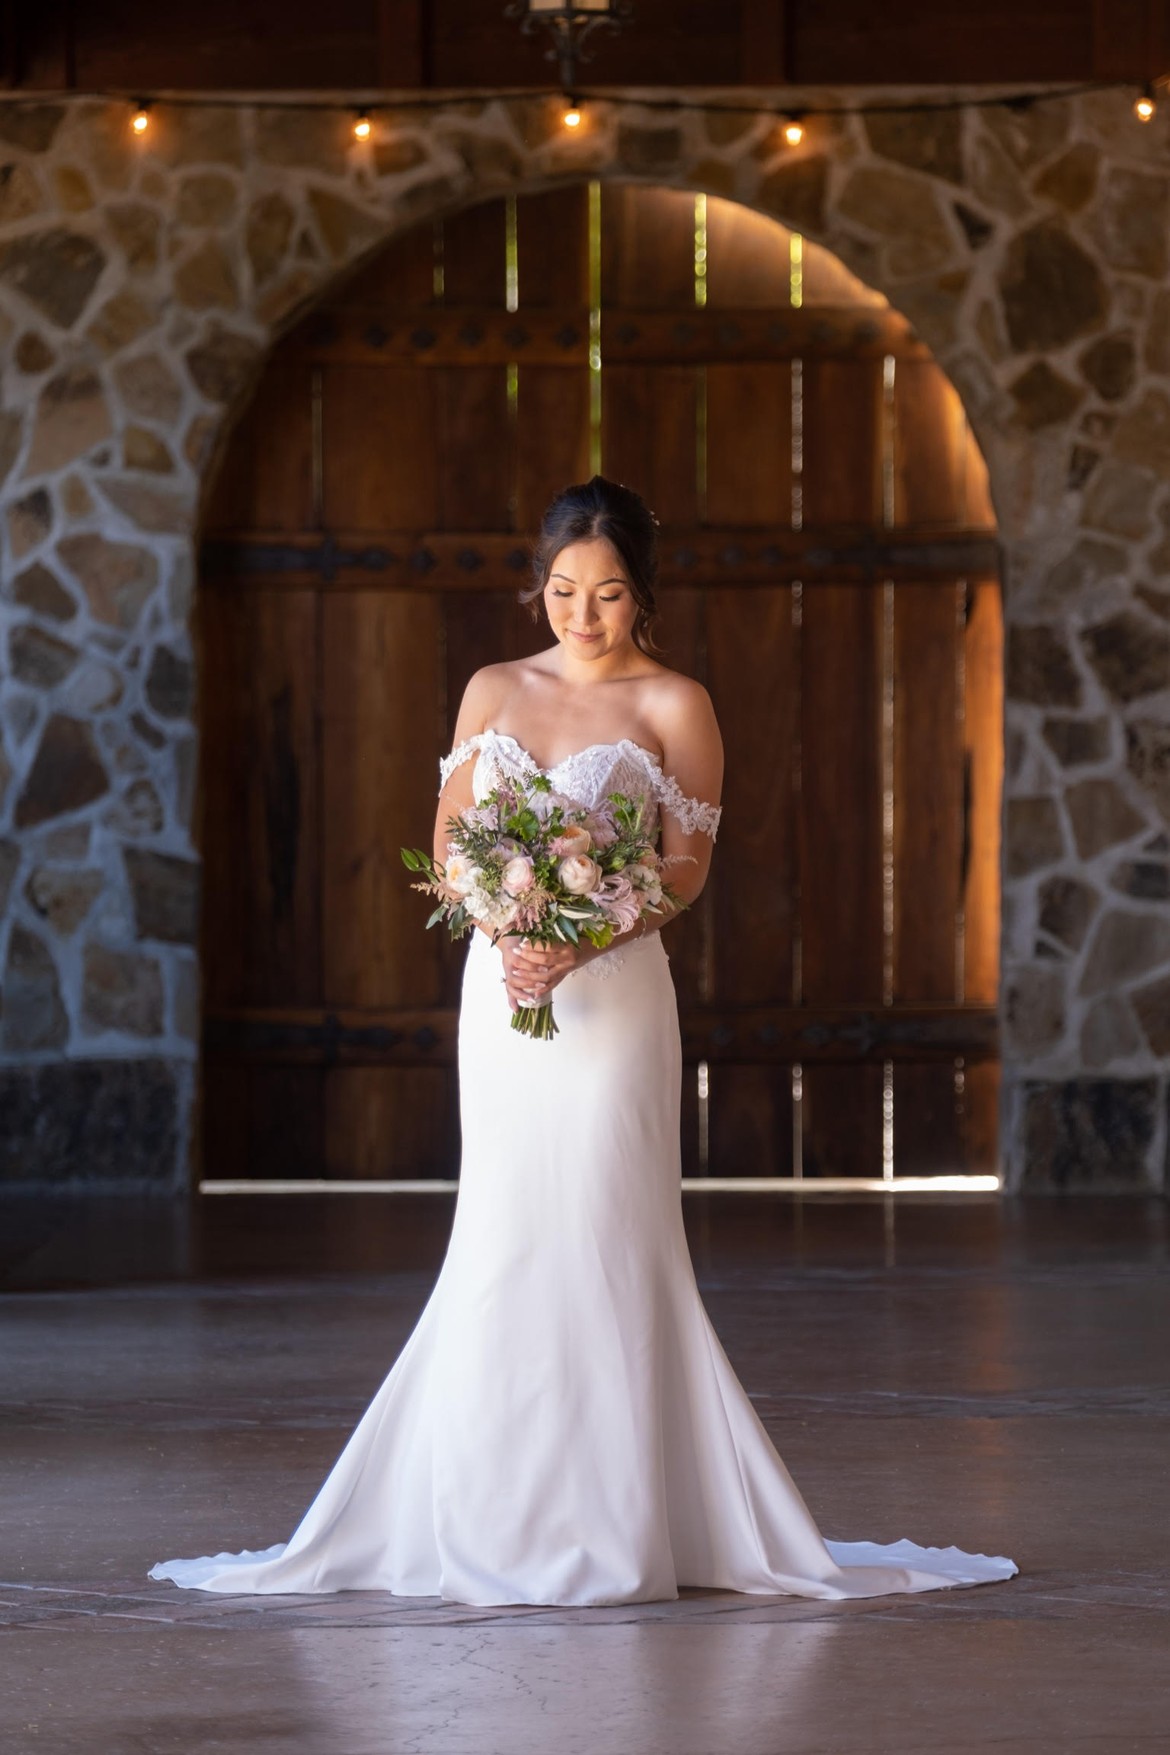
(616, 666)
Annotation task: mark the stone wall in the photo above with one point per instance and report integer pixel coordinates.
(141, 282)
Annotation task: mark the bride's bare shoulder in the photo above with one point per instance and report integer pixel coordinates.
(488, 688)
(672, 696)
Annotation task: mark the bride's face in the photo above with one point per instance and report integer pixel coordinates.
(591, 607)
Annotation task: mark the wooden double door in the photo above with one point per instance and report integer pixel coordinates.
(828, 570)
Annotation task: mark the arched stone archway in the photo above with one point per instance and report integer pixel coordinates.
(140, 286)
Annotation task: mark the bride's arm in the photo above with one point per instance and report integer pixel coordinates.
(456, 794)
(693, 759)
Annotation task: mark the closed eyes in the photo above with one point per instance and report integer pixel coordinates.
(616, 598)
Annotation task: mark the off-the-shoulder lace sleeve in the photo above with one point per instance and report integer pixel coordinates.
(460, 754)
(692, 813)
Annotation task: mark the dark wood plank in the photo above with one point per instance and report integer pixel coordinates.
(930, 446)
(403, 43)
(750, 1121)
(928, 1120)
(391, 1123)
(474, 452)
(764, 29)
(381, 721)
(474, 47)
(849, 43)
(841, 1119)
(978, 509)
(1127, 35)
(647, 248)
(552, 437)
(980, 1117)
(754, 875)
(265, 478)
(412, 559)
(648, 437)
(841, 795)
(749, 445)
(983, 746)
(774, 1032)
(375, 1035)
(841, 479)
(928, 792)
(384, 331)
(552, 249)
(395, 45)
(260, 798)
(265, 1121)
(474, 259)
(380, 461)
(747, 262)
(946, 1118)
(400, 277)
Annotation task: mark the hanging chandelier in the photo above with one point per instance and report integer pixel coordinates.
(569, 23)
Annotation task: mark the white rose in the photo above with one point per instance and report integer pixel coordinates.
(579, 874)
(461, 875)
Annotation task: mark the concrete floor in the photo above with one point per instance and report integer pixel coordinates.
(993, 1376)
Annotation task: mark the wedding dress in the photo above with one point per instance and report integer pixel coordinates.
(562, 1425)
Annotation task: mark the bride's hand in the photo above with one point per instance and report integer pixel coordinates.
(532, 971)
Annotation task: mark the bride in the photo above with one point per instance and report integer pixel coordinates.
(563, 1426)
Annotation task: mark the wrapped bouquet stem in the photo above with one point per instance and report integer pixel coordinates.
(530, 864)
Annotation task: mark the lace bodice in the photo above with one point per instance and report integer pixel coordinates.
(587, 776)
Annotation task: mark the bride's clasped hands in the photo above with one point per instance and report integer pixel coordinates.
(533, 972)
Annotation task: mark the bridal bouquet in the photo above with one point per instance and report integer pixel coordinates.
(528, 863)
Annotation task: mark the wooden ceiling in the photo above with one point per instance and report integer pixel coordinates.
(264, 45)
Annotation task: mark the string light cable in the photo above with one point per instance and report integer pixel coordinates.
(792, 118)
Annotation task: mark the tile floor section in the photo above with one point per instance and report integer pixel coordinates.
(993, 1376)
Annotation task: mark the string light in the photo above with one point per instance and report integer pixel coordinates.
(792, 123)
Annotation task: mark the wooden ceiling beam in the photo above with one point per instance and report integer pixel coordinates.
(1130, 39)
(404, 32)
(763, 42)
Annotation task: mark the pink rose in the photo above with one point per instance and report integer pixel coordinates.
(518, 875)
(579, 874)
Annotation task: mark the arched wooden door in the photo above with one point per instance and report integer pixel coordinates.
(829, 570)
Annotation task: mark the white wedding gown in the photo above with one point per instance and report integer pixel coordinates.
(563, 1426)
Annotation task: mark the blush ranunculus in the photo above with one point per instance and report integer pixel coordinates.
(573, 838)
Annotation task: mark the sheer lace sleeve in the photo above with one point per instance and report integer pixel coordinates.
(460, 754)
(692, 813)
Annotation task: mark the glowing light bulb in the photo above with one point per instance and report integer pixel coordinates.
(794, 131)
(1145, 105)
(572, 116)
(140, 121)
(361, 128)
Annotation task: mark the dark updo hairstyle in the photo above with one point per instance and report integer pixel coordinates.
(602, 508)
